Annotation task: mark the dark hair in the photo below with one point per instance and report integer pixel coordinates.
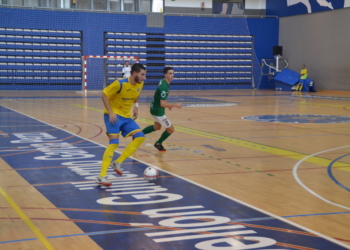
(166, 69)
(137, 67)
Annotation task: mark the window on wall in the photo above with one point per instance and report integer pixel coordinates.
(228, 7)
(84, 4)
(144, 5)
(99, 5)
(114, 5)
(157, 5)
(128, 5)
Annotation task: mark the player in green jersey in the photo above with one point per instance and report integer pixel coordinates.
(158, 106)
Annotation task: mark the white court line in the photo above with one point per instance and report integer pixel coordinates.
(214, 191)
(296, 177)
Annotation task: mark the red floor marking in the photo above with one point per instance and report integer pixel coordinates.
(156, 227)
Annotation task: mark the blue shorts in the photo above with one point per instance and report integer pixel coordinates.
(124, 125)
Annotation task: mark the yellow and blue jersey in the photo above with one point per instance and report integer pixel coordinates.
(303, 71)
(121, 95)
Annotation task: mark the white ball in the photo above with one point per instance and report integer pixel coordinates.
(150, 174)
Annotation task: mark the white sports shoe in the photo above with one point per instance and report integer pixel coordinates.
(117, 166)
(103, 181)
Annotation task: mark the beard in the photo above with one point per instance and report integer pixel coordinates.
(137, 79)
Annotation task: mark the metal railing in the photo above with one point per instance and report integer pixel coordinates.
(105, 6)
(219, 15)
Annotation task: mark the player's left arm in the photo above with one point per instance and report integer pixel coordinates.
(136, 109)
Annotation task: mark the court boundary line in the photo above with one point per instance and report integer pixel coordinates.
(296, 177)
(207, 188)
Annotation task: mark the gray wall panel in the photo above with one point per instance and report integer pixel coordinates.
(186, 10)
(322, 42)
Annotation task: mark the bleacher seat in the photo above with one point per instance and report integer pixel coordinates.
(45, 58)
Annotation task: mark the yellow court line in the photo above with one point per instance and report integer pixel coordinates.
(256, 146)
(319, 104)
(36, 231)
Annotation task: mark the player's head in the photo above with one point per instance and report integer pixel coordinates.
(127, 63)
(304, 67)
(138, 72)
(168, 74)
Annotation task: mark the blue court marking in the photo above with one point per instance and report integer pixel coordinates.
(84, 234)
(130, 193)
(302, 215)
(12, 241)
(289, 216)
(102, 232)
(329, 170)
(140, 229)
(327, 97)
(185, 97)
(48, 97)
(148, 98)
(297, 118)
(244, 138)
(255, 219)
(142, 99)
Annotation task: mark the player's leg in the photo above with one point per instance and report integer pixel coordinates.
(139, 138)
(152, 128)
(301, 85)
(113, 136)
(129, 128)
(169, 129)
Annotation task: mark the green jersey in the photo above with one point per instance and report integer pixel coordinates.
(162, 93)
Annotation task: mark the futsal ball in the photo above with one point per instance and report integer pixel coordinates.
(150, 174)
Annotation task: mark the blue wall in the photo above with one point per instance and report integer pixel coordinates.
(280, 8)
(92, 25)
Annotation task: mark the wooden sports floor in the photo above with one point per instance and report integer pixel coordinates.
(283, 156)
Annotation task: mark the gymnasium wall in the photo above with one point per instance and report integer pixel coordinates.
(93, 26)
(321, 41)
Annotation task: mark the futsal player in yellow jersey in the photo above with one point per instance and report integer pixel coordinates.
(118, 99)
(303, 76)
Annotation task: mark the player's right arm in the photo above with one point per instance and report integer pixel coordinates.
(163, 94)
(165, 104)
(112, 116)
(108, 92)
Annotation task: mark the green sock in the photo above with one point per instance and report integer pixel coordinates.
(164, 136)
(148, 129)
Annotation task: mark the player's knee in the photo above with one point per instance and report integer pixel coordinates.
(157, 127)
(114, 141)
(139, 135)
(170, 130)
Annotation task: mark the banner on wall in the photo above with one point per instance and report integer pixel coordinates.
(297, 7)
